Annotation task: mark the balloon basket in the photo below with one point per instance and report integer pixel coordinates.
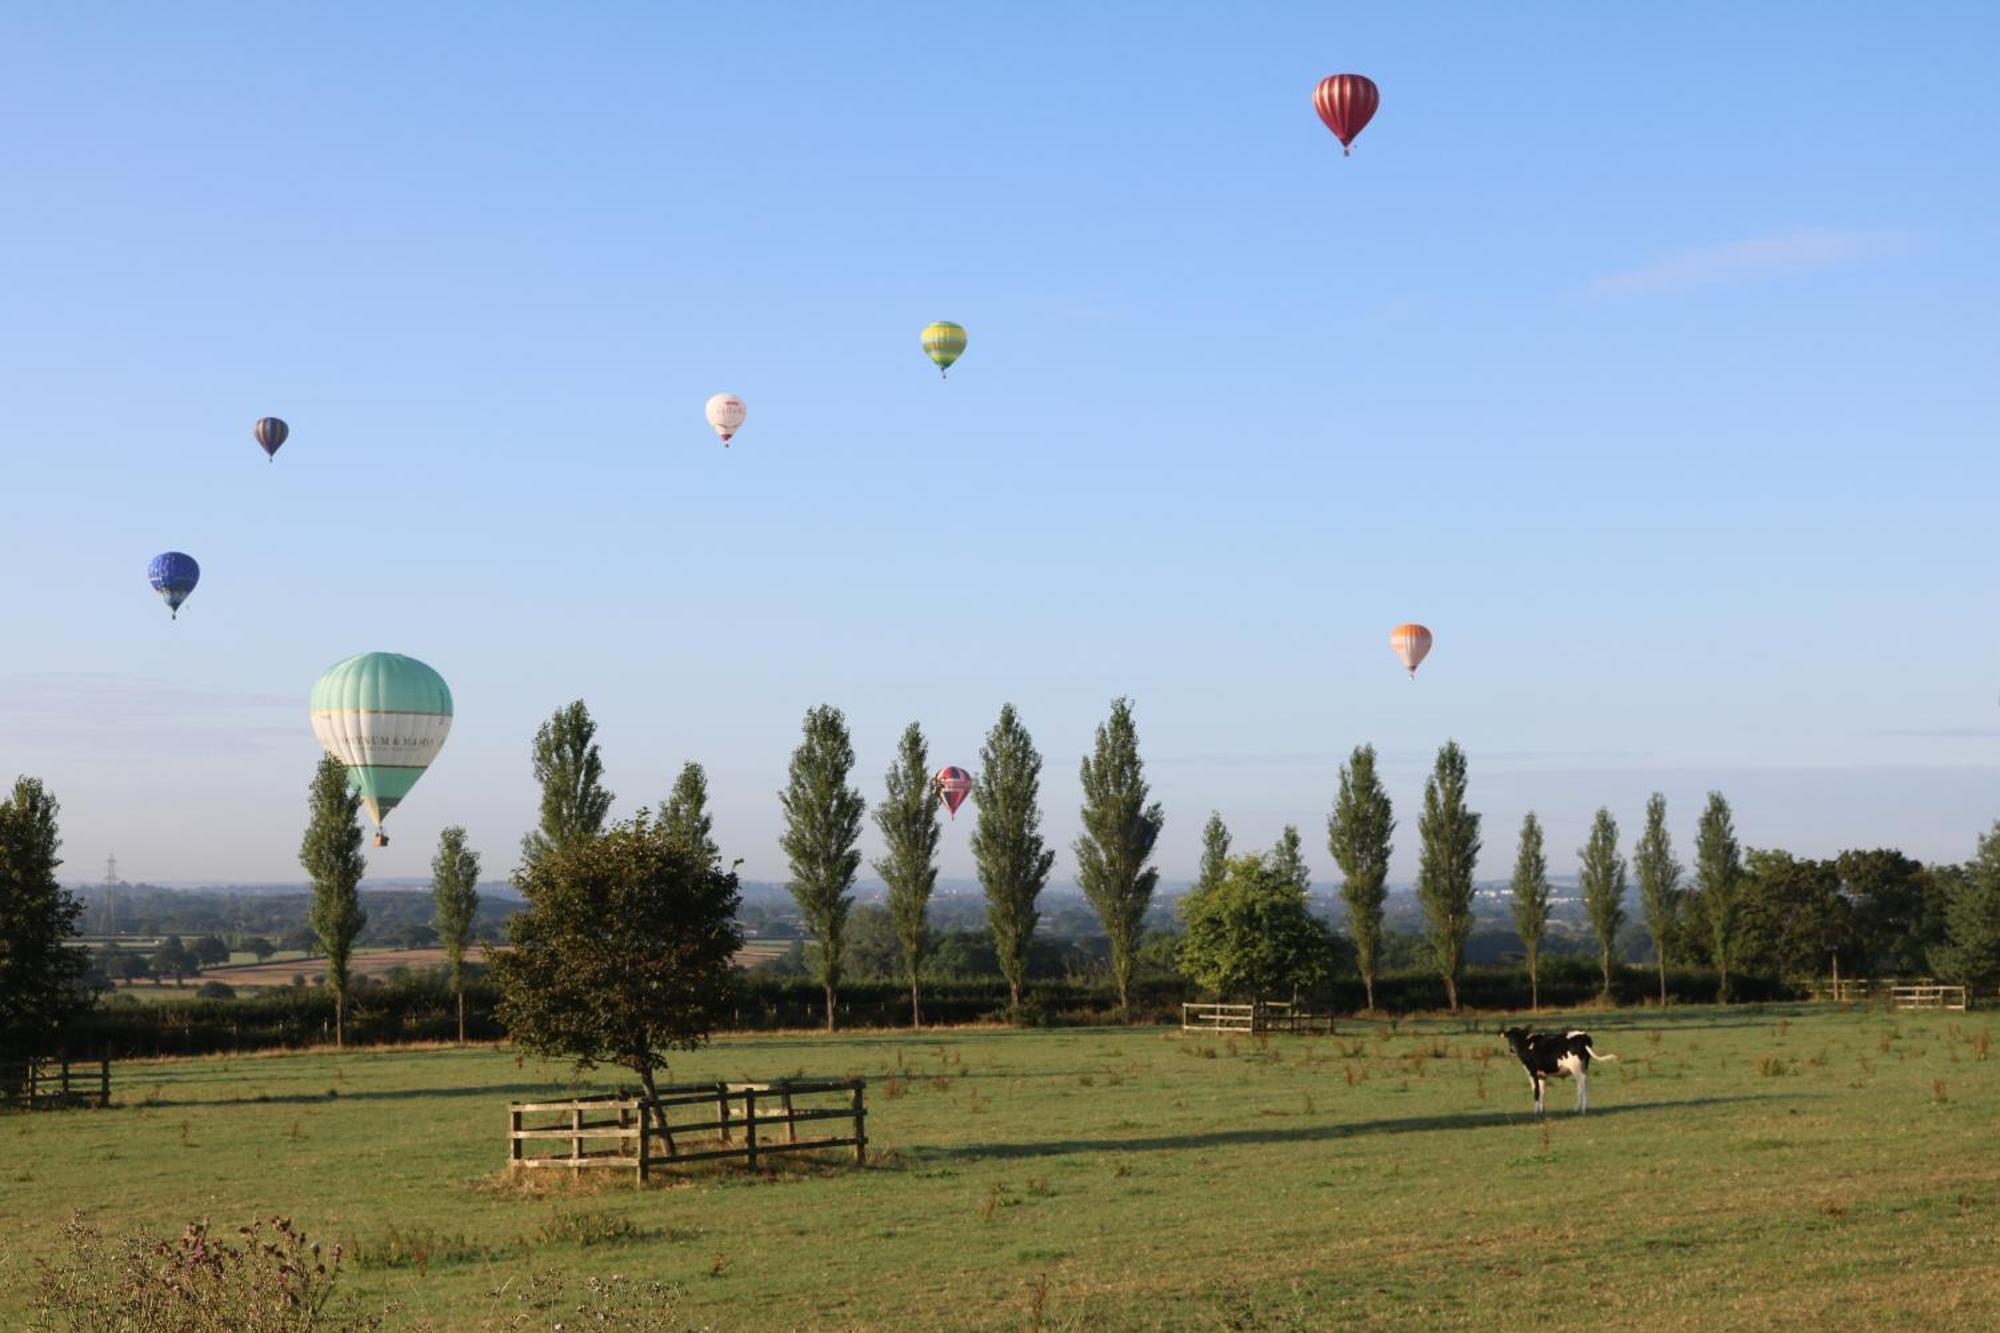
(381, 839)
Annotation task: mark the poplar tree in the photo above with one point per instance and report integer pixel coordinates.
(684, 814)
(1119, 831)
(822, 831)
(1601, 872)
(1358, 833)
(1659, 877)
(1007, 843)
(1289, 860)
(41, 973)
(571, 776)
(1214, 853)
(1448, 838)
(331, 855)
(908, 821)
(1531, 901)
(1970, 951)
(1718, 881)
(455, 892)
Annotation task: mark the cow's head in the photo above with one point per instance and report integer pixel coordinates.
(1516, 1038)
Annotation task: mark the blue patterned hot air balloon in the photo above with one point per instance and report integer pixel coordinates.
(173, 576)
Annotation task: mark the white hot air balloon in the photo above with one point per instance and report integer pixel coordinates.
(725, 413)
(1412, 643)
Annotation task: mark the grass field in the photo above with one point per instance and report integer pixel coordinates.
(1746, 1168)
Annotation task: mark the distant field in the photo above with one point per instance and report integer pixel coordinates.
(1749, 1168)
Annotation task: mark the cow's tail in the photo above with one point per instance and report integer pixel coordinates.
(1595, 1056)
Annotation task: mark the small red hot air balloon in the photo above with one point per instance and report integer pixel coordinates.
(954, 784)
(1346, 102)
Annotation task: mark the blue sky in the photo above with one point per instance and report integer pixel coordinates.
(1646, 357)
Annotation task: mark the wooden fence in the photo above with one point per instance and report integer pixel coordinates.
(42, 1084)
(743, 1120)
(1251, 1019)
(1896, 994)
(1927, 997)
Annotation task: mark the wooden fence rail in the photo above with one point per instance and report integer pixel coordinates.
(1927, 997)
(1897, 994)
(1251, 1019)
(745, 1120)
(41, 1084)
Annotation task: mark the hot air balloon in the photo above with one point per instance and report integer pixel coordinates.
(944, 343)
(385, 716)
(1346, 102)
(725, 413)
(1411, 643)
(173, 576)
(271, 433)
(954, 784)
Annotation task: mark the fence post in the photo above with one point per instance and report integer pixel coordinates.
(576, 1128)
(513, 1137)
(860, 1134)
(791, 1122)
(722, 1109)
(750, 1124)
(645, 1121)
(104, 1081)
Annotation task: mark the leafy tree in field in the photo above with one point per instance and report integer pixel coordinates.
(623, 951)
(174, 959)
(1970, 953)
(1252, 935)
(1357, 834)
(822, 832)
(1659, 877)
(1601, 874)
(1448, 837)
(871, 948)
(1890, 894)
(908, 821)
(331, 855)
(1214, 853)
(1718, 886)
(571, 775)
(1531, 900)
(259, 947)
(1119, 830)
(41, 975)
(455, 894)
(1007, 843)
(684, 814)
(211, 951)
(1794, 915)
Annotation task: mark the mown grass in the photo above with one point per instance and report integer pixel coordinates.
(1742, 1168)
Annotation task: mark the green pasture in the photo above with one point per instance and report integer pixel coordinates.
(1741, 1168)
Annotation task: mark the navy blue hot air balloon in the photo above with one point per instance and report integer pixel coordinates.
(271, 433)
(173, 576)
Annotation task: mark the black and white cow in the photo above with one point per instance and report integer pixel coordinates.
(1547, 1055)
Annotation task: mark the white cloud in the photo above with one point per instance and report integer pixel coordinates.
(1785, 252)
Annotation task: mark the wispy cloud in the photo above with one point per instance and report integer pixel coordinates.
(88, 703)
(1793, 251)
(1946, 733)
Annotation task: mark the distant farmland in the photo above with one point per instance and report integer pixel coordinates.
(381, 962)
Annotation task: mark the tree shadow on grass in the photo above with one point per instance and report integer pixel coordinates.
(1229, 1138)
(551, 1091)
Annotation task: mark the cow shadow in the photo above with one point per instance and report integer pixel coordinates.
(1231, 1138)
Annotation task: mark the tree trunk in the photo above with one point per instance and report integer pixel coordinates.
(1607, 971)
(1368, 985)
(461, 1015)
(829, 1006)
(1663, 978)
(1534, 983)
(1451, 992)
(1014, 999)
(1125, 994)
(1722, 985)
(646, 1081)
(916, 1011)
(339, 1021)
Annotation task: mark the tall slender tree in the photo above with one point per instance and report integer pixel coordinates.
(1448, 837)
(1358, 833)
(41, 973)
(1214, 853)
(1120, 828)
(1970, 950)
(331, 855)
(570, 773)
(1718, 881)
(1601, 873)
(684, 814)
(908, 821)
(823, 815)
(1288, 858)
(1659, 876)
(455, 892)
(1531, 901)
(1007, 843)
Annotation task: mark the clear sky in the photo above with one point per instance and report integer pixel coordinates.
(1646, 353)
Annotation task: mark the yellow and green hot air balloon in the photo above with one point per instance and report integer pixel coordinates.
(944, 343)
(385, 716)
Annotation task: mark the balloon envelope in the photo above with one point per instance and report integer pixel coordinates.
(954, 784)
(1411, 643)
(385, 716)
(271, 433)
(944, 343)
(725, 412)
(173, 576)
(1346, 103)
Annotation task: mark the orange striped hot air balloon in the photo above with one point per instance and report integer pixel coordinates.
(1411, 643)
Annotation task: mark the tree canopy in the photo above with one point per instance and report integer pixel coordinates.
(1251, 936)
(41, 974)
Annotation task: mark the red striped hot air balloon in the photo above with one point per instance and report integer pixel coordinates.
(1412, 643)
(1346, 102)
(954, 784)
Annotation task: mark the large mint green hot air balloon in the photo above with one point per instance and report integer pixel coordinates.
(385, 716)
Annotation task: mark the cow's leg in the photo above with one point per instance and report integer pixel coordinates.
(1582, 1093)
(1540, 1091)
